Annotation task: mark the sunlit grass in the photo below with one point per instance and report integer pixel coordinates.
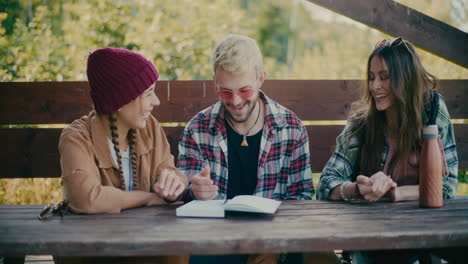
(30, 191)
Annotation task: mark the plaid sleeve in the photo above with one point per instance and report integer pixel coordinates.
(189, 162)
(340, 167)
(447, 138)
(300, 186)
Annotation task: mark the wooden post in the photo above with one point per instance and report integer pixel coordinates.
(396, 19)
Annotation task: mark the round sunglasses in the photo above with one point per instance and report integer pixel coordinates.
(228, 94)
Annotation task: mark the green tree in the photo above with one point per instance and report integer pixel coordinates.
(177, 35)
(33, 52)
(49, 40)
(274, 20)
(13, 9)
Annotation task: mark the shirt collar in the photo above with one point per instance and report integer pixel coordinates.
(274, 113)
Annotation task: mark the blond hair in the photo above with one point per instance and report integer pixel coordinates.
(237, 54)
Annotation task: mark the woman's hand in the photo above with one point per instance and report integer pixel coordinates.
(404, 193)
(375, 187)
(154, 199)
(169, 186)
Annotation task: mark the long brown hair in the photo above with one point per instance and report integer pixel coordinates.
(411, 86)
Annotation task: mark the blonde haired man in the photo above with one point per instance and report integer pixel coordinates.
(246, 143)
(238, 54)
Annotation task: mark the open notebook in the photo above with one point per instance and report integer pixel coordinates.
(217, 208)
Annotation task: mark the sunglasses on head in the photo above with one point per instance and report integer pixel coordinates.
(394, 43)
(58, 209)
(228, 94)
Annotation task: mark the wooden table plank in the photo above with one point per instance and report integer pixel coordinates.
(298, 226)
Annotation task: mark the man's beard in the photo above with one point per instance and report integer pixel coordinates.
(248, 115)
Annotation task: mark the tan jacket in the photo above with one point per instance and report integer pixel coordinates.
(91, 180)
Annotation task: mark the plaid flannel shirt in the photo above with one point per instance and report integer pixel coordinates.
(342, 165)
(284, 171)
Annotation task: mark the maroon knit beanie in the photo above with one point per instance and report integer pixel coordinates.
(117, 76)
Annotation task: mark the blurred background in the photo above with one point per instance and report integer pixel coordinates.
(49, 40)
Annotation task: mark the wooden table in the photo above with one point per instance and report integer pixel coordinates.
(298, 226)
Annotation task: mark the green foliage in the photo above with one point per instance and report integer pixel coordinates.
(33, 53)
(177, 35)
(12, 8)
(49, 40)
(274, 31)
(463, 176)
(30, 191)
(180, 40)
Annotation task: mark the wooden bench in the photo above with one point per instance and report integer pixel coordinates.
(31, 152)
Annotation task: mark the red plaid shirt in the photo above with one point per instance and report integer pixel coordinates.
(284, 163)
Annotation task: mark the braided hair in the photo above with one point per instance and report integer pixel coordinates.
(132, 143)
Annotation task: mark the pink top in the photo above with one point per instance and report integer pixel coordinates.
(411, 175)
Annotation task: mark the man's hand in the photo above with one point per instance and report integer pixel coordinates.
(373, 188)
(202, 186)
(169, 186)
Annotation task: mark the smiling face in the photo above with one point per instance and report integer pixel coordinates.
(134, 114)
(243, 89)
(379, 84)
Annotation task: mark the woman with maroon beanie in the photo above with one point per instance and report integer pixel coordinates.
(117, 157)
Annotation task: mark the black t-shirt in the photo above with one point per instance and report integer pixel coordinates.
(242, 163)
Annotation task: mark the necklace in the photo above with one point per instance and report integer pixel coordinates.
(244, 140)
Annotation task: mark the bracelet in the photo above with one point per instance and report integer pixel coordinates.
(342, 186)
(342, 192)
